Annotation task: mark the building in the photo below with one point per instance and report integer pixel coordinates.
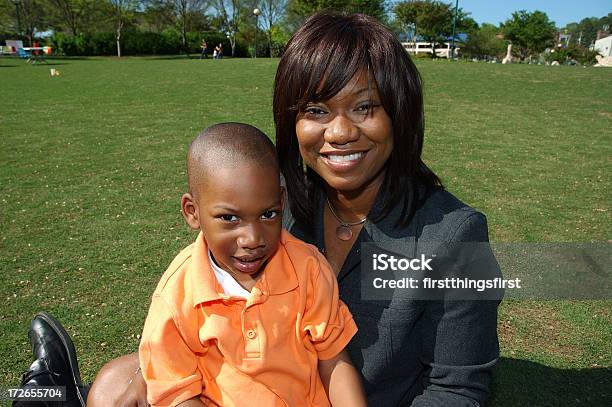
(443, 50)
(604, 46)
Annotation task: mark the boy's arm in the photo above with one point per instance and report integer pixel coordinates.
(168, 364)
(342, 382)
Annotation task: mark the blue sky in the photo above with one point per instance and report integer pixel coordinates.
(561, 12)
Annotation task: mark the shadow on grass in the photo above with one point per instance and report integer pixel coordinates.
(176, 57)
(519, 382)
(60, 58)
(169, 57)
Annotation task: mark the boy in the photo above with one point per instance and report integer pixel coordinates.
(246, 315)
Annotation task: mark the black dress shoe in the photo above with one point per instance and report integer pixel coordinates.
(55, 363)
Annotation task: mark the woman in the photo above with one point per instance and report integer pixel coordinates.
(348, 106)
(348, 110)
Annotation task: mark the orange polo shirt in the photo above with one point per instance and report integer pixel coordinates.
(231, 351)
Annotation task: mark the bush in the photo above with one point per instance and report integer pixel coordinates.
(264, 50)
(7, 36)
(213, 38)
(573, 54)
(423, 55)
(141, 43)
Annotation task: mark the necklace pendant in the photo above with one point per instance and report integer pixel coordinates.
(344, 233)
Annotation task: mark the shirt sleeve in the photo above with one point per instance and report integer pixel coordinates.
(169, 366)
(460, 345)
(327, 320)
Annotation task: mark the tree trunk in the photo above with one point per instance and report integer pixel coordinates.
(184, 39)
(270, 41)
(119, 40)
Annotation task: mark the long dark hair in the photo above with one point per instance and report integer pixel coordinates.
(319, 60)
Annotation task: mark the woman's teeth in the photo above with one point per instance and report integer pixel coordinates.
(345, 158)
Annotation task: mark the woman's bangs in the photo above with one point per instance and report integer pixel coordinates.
(334, 62)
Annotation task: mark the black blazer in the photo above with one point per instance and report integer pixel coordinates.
(417, 353)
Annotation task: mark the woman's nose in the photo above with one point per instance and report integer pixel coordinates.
(341, 130)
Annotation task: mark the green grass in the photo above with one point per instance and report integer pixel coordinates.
(92, 168)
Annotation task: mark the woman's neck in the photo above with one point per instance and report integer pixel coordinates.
(353, 206)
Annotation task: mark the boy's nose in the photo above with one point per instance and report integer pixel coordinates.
(251, 238)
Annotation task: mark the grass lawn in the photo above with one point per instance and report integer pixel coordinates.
(92, 169)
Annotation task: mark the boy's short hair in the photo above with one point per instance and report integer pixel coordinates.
(228, 144)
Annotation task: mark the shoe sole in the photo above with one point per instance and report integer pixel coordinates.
(70, 350)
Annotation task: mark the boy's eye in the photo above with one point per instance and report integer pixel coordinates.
(269, 215)
(228, 218)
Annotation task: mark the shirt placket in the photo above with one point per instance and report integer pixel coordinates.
(252, 329)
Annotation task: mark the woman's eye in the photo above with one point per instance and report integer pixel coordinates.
(315, 111)
(228, 218)
(365, 107)
(269, 215)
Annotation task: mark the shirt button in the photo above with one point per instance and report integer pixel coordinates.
(251, 334)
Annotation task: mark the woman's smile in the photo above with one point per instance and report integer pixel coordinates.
(343, 161)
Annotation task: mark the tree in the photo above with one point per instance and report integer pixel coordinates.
(229, 16)
(157, 15)
(32, 18)
(184, 11)
(585, 32)
(122, 11)
(69, 14)
(408, 15)
(272, 11)
(484, 42)
(8, 17)
(432, 20)
(304, 8)
(530, 33)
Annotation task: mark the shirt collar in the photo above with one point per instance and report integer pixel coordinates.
(277, 278)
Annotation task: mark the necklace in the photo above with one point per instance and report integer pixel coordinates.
(343, 231)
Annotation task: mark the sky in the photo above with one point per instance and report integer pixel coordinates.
(561, 12)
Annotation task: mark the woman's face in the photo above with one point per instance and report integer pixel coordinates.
(347, 139)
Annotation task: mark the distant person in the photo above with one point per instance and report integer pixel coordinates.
(220, 51)
(204, 46)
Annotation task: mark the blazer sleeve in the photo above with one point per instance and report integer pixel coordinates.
(169, 366)
(460, 344)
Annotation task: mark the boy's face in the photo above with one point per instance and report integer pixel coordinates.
(239, 211)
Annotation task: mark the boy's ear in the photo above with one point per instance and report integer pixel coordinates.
(189, 209)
